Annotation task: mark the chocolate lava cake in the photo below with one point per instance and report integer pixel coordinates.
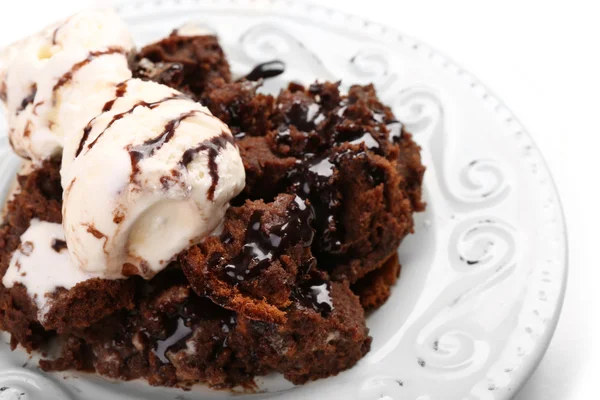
(332, 182)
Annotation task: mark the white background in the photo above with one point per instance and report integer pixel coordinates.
(543, 59)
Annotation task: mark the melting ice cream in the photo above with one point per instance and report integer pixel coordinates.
(146, 171)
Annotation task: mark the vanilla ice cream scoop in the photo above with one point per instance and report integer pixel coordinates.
(42, 265)
(150, 176)
(146, 171)
(54, 82)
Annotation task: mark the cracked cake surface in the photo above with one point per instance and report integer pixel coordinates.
(332, 181)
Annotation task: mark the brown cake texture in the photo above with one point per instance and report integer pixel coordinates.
(189, 63)
(39, 197)
(332, 183)
(346, 154)
(259, 260)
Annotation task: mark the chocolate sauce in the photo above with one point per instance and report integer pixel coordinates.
(35, 107)
(311, 179)
(58, 28)
(54, 34)
(68, 76)
(370, 142)
(262, 247)
(182, 332)
(180, 316)
(3, 91)
(316, 294)
(395, 129)
(27, 131)
(378, 117)
(117, 117)
(150, 146)
(213, 147)
(28, 99)
(84, 137)
(120, 92)
(167, 73)
(305, 117)
(315, 177)
(355, 134)
(59, 245)
(469, 262)
(95, 232)
(266, 70)
(322, 167)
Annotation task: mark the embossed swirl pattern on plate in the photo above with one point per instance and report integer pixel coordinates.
(26, 385)
(483, 253)
(481, 183)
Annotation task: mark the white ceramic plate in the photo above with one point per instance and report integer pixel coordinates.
(483, 277)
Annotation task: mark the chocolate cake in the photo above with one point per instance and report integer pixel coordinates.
(332, 182)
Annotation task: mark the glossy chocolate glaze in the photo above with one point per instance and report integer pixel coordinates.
(68, 76)
(261, 248)
(213, 146)
(150, 146)
(59, 245)
(28, 99)
(120, 92)
(117, 117)
(266, 70)
(315, 293)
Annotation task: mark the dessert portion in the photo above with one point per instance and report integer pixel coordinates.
(173, 170)
(346, 154)
(260, 262)
(180, 338)
(177, 225)
(57, 80)
(30, 315)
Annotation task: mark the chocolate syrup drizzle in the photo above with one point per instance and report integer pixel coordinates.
(181, 319)
(84, 137)
(28, 99)
(150, 146)
(213, 146)
(182, 324)
(395, 128)
(3, 91)
(181, 333)
(117, 117)
(68, 76)
(58, 28)
(326, 126)
(315, 293)
(120, 92)
(266, 70)
(261, 248)
(311, 180)
(59, 245)
(54, 34)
